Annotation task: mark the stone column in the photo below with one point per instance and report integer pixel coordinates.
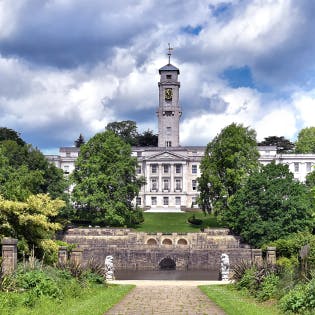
(271, 255)
(62, 255)
(76, 256)
(257, 256)
(9, 255)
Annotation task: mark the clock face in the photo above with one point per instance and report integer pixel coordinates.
(168, 94)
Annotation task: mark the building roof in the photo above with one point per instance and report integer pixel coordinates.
(168, 67)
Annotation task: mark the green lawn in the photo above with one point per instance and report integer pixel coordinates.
(95, 300)
(235, 302)
(174, 222)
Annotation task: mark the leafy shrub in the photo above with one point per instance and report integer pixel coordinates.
(239, 270)
(301, 299)
(268, 287)
(248, 280)
(193, 220)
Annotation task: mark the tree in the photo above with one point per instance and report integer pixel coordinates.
(79, 141)
(126, 129)
(9, 134)
(24, 170)
(269, 206)
(228, 161)
(147, 139)
(283, 145)
(105, 181)
(306, 141)
(30, 221)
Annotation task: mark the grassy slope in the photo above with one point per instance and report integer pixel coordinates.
(174, 222)
(234, 302)
(93, 301)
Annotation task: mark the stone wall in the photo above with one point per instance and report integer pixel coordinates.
(144, 251)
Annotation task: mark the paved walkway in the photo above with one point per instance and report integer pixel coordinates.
(165, 297)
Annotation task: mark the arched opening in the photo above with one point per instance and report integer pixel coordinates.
(167, 264)
(167, 241)
(151, 241)
(182, 241)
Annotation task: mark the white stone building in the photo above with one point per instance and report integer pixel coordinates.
(171, 170)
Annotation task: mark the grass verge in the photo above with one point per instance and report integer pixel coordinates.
(175, 222)
(235, 302)
(95, 300)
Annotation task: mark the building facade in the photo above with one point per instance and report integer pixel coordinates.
(171, 170)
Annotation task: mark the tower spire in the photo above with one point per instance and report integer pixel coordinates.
(169, 52)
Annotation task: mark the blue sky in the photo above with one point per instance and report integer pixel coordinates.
(69, 67)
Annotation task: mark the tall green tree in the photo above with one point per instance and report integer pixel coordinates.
(106, 182)
(270, 205)
(228, 161)
(80, 141)
(306, 141)
(126, 130)
(10, 134)
(24, 170)
(283, 145)
(147, 139)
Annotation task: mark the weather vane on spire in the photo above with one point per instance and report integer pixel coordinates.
(169, 52)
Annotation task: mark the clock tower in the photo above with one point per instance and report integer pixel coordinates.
(169, 110)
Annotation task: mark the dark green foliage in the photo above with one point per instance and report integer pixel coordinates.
(193, 220)
(127, 130)
(9, 134)
(261, 281)
(106, 182)
(283, 145)
(270, 205)
(24, 170)
(80, 141)
(228, 161)
(300, 300)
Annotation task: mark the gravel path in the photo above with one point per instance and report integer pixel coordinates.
(165, 297)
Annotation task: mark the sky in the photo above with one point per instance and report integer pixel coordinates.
(69, 67)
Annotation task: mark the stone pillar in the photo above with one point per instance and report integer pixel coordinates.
(271, 255)
(257, 256)
(62, 255)
(9, 255)
(76, 256)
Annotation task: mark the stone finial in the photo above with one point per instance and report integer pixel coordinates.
(76, 256)
(9, 255)
(109, 268)
(271, 255)
(257, 256)
(225, 267)
(62, 255)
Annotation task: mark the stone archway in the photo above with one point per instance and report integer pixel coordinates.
(167, 263)
(167, 241)
(182, 241)
(152, 242)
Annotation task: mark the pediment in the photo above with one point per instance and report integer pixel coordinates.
(166, 156)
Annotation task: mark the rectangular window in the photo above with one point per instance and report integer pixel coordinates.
(68, 154)
(153, 201)
(66, 169)
(168, 144)
(308, 167)
(154, 184)
(178, 184)
(194, 169)
(139, 170)
(168, 76)
(168, 131)
(138, 201)
(194, 184)
(296, 167)
(166, 184)
(177, 201)
(154, 168)
(178, 168)
(165, 168)
(165, 201)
